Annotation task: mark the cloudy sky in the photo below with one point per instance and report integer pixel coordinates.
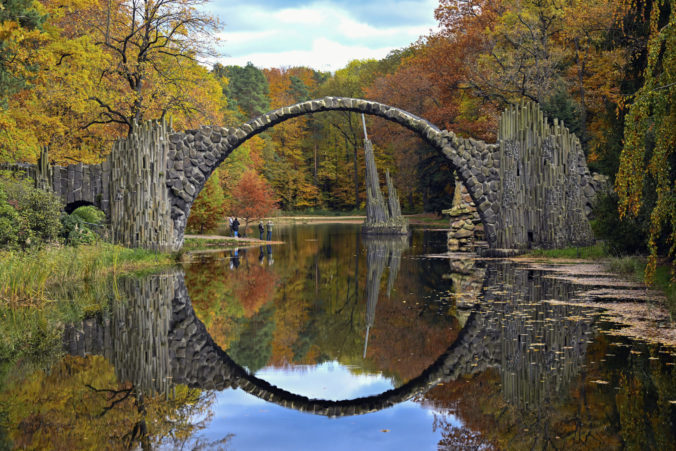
(324, 34)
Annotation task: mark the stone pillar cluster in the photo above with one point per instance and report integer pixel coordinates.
(140, 213)
(382, 217)
(543, 174)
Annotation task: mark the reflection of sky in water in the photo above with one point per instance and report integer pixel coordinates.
(329, 380)
(258, 425)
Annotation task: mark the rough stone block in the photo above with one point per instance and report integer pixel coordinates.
(189, 188)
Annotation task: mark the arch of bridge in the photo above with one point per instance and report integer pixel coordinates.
(195, 154)
(198, 361)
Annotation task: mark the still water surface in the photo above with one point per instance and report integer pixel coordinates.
(334, 341)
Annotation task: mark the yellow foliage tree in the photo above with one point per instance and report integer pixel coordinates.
(101, 67)
(650, 138)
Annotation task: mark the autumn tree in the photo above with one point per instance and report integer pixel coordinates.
(288, 166)
(252, 198)
(209, 207)
(154, 46)
(594, 67)
(351, 82)
(73, 60)
(52, 107)
(648, 159)
(521, 60)
(20, 28)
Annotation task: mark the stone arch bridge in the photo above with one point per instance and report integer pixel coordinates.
(530, 188)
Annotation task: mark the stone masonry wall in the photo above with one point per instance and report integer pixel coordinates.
(466, 227)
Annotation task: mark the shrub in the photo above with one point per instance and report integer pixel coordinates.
(76, 231)
(11, 225)
(83, 225)
(42, 211)
(622, 237)
(90, 214)
(39, 212)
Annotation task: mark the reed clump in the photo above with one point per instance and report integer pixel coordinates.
(30, 278)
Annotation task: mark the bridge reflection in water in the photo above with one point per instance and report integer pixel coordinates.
(155, 340)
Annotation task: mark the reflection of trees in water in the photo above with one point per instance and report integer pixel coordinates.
(540, 394)
(381, 251)
(318, 291)
(230, 302)
(80, 404)
(134, 338)
(532, 397)
(252, 348)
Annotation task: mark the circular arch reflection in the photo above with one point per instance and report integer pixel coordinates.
(156, 340)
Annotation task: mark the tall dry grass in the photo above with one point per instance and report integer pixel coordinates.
(30, 278)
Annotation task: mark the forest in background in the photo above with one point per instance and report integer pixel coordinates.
(77, 74)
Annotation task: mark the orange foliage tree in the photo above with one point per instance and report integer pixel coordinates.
(252, 198)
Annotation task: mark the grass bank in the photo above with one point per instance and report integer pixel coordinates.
(41, 291)
(31, 278)
(594, 252)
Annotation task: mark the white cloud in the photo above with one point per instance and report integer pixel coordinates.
(240, 37)
(326, 55)
(323, 35)
(305, 16)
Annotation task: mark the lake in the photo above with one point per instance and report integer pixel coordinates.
(334, 341)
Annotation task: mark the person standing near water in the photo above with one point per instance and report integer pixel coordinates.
(261, 229)
(235, 227)
(269, 231)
